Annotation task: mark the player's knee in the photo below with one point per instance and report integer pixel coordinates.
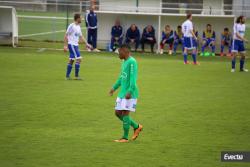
(71, 62)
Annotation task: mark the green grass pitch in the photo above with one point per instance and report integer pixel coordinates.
(190, 113)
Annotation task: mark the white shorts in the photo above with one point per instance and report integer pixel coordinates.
(125, 104)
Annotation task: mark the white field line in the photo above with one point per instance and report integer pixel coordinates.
(42, 33)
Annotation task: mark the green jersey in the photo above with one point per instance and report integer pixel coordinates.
(127, 79)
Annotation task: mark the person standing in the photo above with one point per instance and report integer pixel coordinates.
(91, 23)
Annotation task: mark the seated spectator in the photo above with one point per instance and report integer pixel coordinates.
(167, 38)
(148, 37)
(116, 35)
(178, 39)
(133, 36)
(208, 40)
(226, 40)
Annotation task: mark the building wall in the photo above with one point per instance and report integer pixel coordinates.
(213, 7)
(241, 7)
(130, 5)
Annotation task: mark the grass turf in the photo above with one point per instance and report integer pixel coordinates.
(190, 113)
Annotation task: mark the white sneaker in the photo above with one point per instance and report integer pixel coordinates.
(170, 52)
(245, 70)
(96, 50)
(161, 51)
(232, 70)
(88, 49)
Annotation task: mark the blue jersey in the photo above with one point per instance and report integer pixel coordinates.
(226, 38)
(91, 20)
(167, 36)
(116, 31)
(133, 34)
(178, 35)
(147, 34)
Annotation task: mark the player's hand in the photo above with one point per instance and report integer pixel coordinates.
(246, 40)
(128, 96)
(89, 46)
(132, 40)
(116, 38)
(65, 48)
(111, 92)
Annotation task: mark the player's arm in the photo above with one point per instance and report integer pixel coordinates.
(65, 48)
(132, 80)
(193, 34)
(240, 37)
(83, 40)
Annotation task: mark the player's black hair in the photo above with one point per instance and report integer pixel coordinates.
(178, 26)
(77, 16)
(209, 25)
(189, 15)
(238, 20)
(226, 29)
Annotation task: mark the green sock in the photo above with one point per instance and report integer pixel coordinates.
(134, 124)
(126, 126)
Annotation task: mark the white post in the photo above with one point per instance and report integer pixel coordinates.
(159, 33)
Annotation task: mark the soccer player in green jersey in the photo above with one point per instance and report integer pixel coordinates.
(127, 97)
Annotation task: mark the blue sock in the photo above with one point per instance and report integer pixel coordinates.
(194, 57)
(175, 47)
(77, 69)
(185, 57)
(230, 49)
(203, 48)
(222, 48)
(233, 63)
(242, 62)
(213, 48)
(69, 68)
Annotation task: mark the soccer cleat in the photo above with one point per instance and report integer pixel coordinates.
(96, 50)
(88, 49)
(67, 78)
(78, 78)
(186, 62)
(243, 70)
(196, 63)
(229, 55)
(121, 140)
(213, 54)
(170, 52)
(232, 70)
(221, 54)
(137, 132)
(161, 51)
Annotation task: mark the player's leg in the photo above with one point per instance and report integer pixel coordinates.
(234, 55)
(222, 48)
(185, 51)
(176, 43)
(194, 55)
(242, 59)
(229, 49)
(162, 46)
(94, 38)
(143, 41)
(89, 38)
(152, 44)
(137, 43)
(204, 45)
(212, 44)
(120, 41)
(171, 44)
(69, 68)
(71, 61)
(112, 43)
(118, 114)
(78, 61)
